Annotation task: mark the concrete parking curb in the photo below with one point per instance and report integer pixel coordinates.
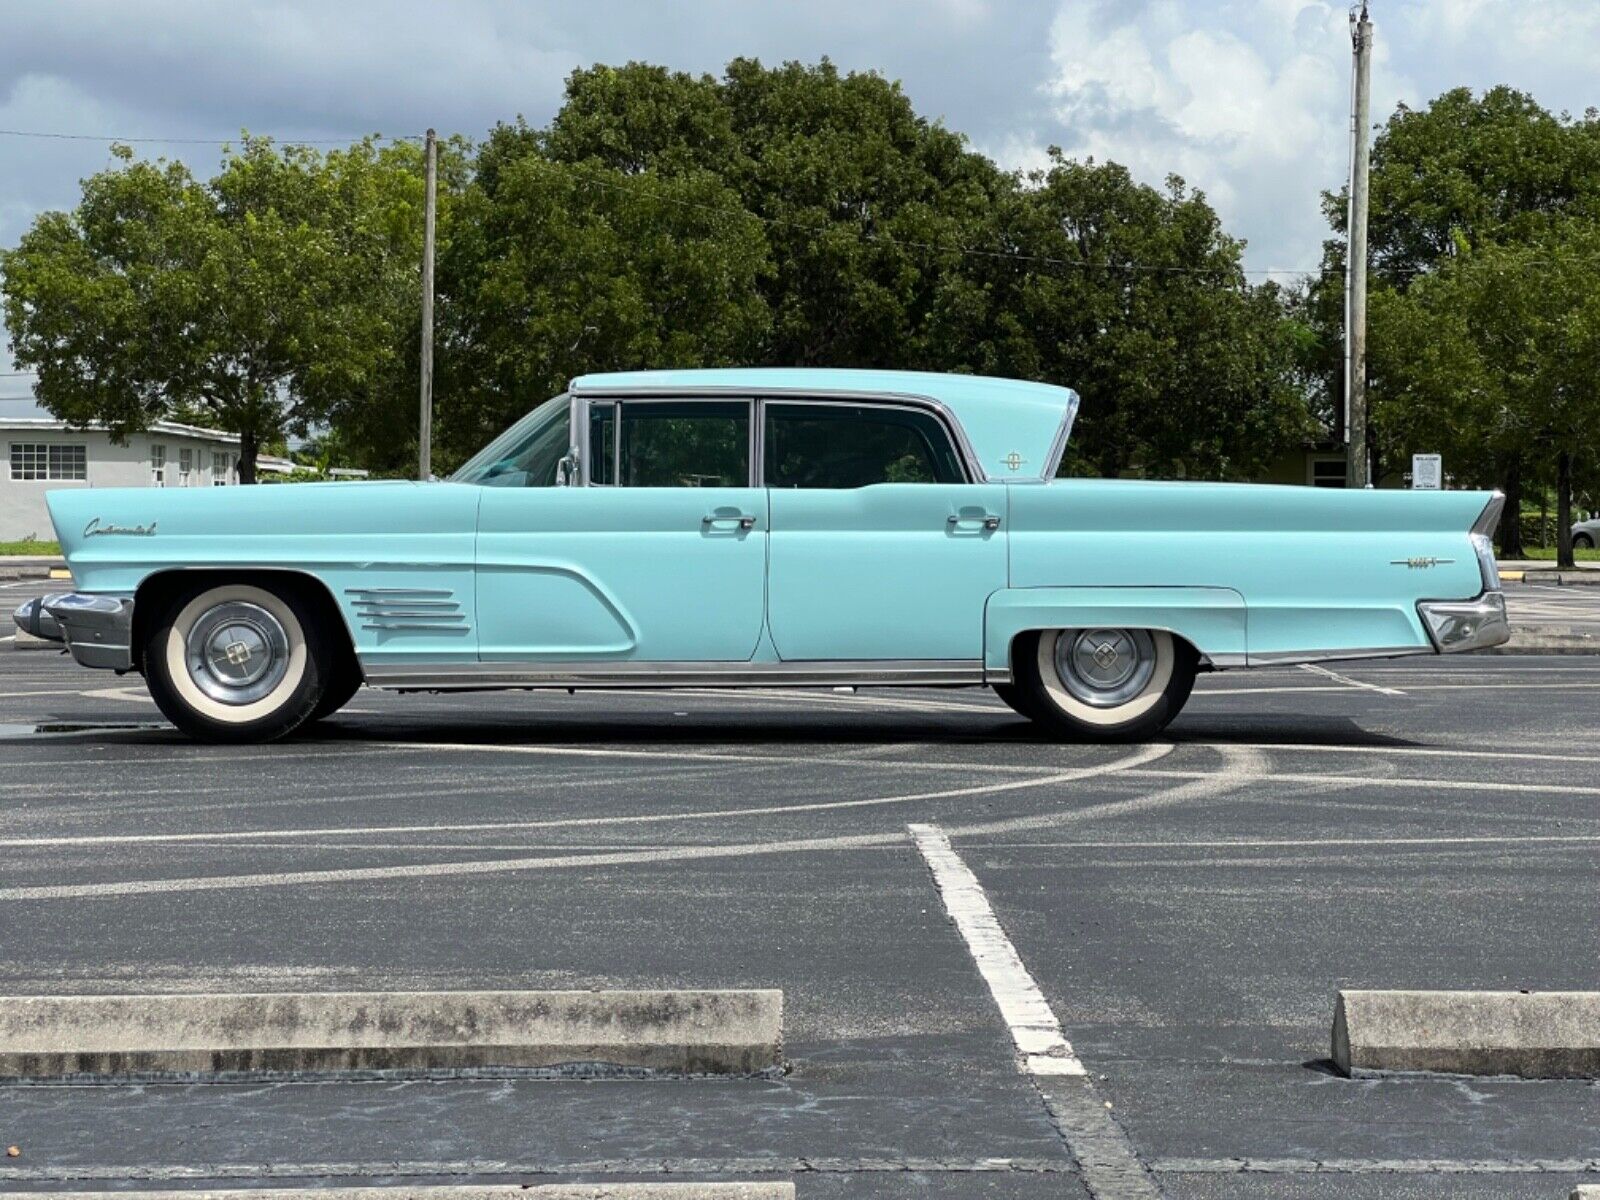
(1587, 1191)
(25, 567)
(668, 1032)
(1549, 639)
(23, 640)
(1535, 1035)
(541, 1191)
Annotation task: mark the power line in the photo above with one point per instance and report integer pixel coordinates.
(902, 243)
(197, 141)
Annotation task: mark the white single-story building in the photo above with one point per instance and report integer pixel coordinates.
(44, 453)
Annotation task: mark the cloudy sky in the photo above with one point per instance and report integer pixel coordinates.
(1247, 99)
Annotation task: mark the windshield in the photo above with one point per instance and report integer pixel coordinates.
(526, 455)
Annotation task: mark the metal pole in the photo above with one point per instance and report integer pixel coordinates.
(425, 435)
(1357, 471)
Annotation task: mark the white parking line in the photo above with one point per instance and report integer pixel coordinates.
(1391, 781)
(1042, 1048)
(1137, 758)
(135, 694)
(1345, 679)
(1401, 751)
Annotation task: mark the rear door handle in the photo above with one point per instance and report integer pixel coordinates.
(989, 520)
(746, 523)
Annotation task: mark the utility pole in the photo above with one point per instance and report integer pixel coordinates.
(425, 435)
(1357, 469)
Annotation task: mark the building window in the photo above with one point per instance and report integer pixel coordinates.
(219, 470)
(185, 466)
(1327, 472)
(158, 466)
(48, 460)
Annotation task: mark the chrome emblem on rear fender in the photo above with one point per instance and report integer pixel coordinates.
(1419, 564)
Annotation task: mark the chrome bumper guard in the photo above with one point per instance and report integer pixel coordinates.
(1458, 625)
(98, 630)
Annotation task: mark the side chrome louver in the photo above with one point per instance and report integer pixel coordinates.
(408, 610)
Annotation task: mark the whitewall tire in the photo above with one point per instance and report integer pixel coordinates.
(1103, 684)
(238, 662)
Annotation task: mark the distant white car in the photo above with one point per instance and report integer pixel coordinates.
(1586, 534)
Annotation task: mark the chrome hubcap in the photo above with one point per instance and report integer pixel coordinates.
(1105, 667)
(237, 652)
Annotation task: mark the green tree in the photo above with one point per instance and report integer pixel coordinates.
(1499, 348)
(1455, 179)
(1137, 298)
(893, 244)
(866, 204)
(264, 301)
(555, 270)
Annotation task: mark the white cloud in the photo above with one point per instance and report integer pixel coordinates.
(1249, 99)
(1247, 102)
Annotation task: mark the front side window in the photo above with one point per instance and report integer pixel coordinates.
(528, 454)
(694, 444)
(48, 460)
(852, 446)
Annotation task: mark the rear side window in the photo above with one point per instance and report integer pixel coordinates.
(852, 446)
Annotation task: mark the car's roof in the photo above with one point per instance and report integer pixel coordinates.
(1014, 425)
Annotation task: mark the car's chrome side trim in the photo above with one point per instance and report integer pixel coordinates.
(1289, 658)
(465, 676)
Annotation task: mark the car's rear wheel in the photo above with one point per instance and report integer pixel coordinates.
(1582, 541)
(238, 662)
(1110, 685)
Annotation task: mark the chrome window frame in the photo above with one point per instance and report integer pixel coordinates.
(581, 428)
(835, 402)
(756, 396)
(1058, 445)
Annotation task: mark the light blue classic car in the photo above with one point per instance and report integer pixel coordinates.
(761, 527)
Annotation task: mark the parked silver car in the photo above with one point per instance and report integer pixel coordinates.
(1586, 534)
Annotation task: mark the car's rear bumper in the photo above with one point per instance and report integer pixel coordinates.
(98, 630)
(1459, 625)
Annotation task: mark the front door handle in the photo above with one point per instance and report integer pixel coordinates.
(711, 520)
(989, 520)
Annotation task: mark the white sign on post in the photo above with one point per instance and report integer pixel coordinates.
(1427, 472)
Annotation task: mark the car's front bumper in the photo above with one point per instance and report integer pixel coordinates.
(1458, 625)
(98, 630)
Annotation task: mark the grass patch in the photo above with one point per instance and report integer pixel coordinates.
(30, 546)
(1548, 554)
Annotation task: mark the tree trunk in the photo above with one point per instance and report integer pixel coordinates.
(1564, 510)
(249, 447)
(1511, 519)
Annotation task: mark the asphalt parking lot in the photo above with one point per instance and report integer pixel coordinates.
(1188, 908)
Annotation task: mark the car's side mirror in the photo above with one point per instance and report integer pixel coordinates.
(567, 469)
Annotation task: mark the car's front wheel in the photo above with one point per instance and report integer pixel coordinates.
(1110, 685)
(238, 662)
(1582, 541)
